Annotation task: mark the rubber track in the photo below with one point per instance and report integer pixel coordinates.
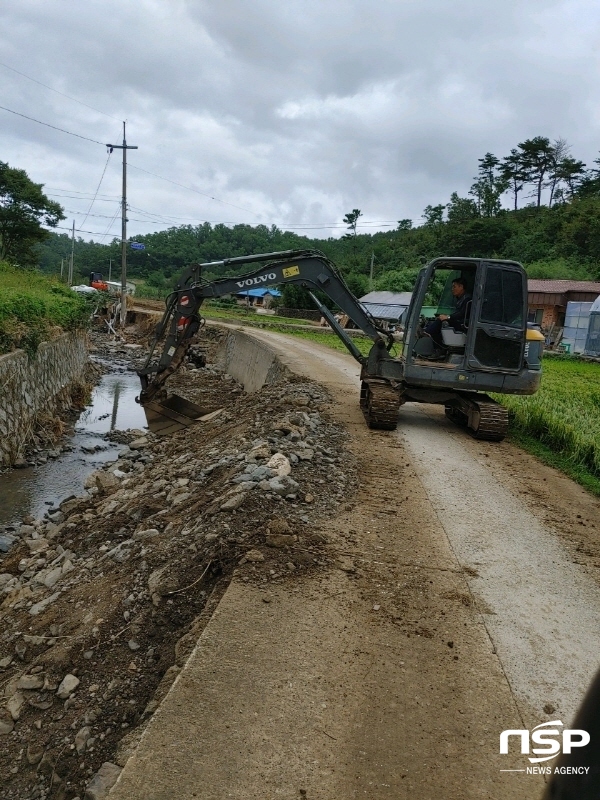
(493, 421)
(380, 406)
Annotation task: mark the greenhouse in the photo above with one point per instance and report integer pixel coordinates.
(592, 344)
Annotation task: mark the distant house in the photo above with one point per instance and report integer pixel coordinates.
(386, 306)
(547, 299)
(261, 298)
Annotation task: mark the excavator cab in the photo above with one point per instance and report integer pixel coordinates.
(98, 282)
(438, 299)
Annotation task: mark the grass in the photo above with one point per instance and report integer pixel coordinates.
(35, 308)
(563, 417)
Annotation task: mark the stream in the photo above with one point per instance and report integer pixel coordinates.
(35, 489)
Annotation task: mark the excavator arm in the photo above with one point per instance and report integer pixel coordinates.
(307, 268)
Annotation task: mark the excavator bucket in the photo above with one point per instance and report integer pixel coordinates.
(165, 417)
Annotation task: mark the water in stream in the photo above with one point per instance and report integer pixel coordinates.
(35, 489)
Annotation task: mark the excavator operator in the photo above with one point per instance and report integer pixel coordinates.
(458, 319)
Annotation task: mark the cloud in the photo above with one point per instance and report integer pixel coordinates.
(293, 113)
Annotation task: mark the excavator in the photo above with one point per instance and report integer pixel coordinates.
(496, 350)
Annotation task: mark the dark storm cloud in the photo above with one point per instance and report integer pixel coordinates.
(299, 111)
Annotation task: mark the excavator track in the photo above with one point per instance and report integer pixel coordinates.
(380, 404)
(484, 418)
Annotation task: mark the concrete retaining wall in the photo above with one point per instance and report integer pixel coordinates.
(29, 386)
(251, 362)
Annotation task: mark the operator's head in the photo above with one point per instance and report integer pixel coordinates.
(459, 287)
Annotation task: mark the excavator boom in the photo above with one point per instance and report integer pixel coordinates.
(308, 268)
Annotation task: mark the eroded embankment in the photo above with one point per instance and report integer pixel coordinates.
(101, 606)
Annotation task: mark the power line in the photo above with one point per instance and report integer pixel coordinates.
(76, 191)
(99, 185)
(47, 124)
(29, 78)
(104, 199)
(183, 186)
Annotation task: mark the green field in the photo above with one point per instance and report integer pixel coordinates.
(34, 308)
(561, 423)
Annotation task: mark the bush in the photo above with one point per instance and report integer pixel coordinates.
(33, 308)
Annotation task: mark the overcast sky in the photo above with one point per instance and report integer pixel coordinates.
(288, 113)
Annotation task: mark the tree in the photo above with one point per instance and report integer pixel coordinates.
(571, 173)
(560, 151)
(24, 208)
(515, 174)
(461, 209)
(351, 221)
(489, 186)
(434, 215)
(405, 224)
(538, 157)
(589, 185)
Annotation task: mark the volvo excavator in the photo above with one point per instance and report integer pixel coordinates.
(495, 350)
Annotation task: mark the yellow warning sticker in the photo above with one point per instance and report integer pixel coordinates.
(289, 272)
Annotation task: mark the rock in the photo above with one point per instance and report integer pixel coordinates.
(107, 482)
(150, 533)
(6, 542)
(5, 662)
(346, 565)
(26, 530)
(51, 577)
(102, 782)
(20, 463)
(278, 525)
(37, 608)
(234, 502)
(309, 498)
(280, 464)
(37, 545)
(69, 505)
(283, 485)
(254, 555)
(30, 682)
(279, 540)
(121, 552)
(5, 577)
(139, 444)
(81, 740)
(34, 753)
(133, 645)
(15, 704)
(259, 452)
(90, 481)
(160, 582)
(305, 455)
(6, 723)
(68, 685)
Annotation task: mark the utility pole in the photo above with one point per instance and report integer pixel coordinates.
(109, 268)
(124, 147)
(371, 273)
(62, 266)
(70, 279)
